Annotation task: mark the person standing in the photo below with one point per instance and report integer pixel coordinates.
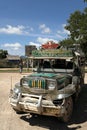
(21, 65)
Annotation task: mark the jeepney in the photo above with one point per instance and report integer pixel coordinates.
(53, 86)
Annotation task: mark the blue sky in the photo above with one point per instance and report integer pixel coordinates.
(33, 22)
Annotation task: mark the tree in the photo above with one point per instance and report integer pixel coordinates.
(77, 25)
(85, 0)
(66, 42)
(74, 24)
(3, 54)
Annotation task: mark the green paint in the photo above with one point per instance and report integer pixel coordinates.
(49, 75)
(60, 81)
(52, 53)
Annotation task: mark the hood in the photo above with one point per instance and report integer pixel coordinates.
(48, 75)
(38, 82)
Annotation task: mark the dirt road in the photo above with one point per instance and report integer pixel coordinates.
(9, 120)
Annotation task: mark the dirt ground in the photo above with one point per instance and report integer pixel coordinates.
(9, 120)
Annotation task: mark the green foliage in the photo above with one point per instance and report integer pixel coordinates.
(74, 25)
(77, 25)
(3, 54)
(85, 0)
(66, 42)
(83, 44)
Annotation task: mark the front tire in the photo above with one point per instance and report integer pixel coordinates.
(68, 109)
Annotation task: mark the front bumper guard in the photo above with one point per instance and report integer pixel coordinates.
(36, 104)
(31, 105)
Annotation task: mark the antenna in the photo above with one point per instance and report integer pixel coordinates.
(11, 82)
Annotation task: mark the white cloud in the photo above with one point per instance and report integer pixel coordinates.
(44, 40)
(63, 31)
(59, 36)
(19, 30)
(13, 46)
(36, 44)
(44, 29)
(42, 26)
(41, 41)
(66, 31)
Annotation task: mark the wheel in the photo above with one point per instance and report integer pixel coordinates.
(68, 109)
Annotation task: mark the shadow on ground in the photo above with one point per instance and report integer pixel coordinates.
(51, 123)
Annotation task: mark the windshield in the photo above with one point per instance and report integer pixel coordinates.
(52, 64)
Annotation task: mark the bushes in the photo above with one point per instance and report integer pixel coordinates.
(4, 63)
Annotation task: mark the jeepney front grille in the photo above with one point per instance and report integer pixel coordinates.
(41, 84)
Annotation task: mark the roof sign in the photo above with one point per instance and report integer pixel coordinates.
(52, 53)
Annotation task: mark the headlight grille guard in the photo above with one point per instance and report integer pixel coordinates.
(34, 82)
(38, 83)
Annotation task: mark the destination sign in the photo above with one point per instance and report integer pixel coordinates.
(52, 53)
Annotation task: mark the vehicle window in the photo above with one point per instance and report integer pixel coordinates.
(46, 64)
(59, 64)
(69, 65)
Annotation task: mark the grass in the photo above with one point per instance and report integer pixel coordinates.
(14, 70)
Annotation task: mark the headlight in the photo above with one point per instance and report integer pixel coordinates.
(51, 85)
(23, 82)
(16, 90)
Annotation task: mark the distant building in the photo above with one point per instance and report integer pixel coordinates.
(29, 49)
(13, 57)
(13, 60)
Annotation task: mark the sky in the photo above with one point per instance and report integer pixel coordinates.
(34, 22)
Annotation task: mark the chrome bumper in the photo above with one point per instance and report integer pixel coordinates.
(36, 104)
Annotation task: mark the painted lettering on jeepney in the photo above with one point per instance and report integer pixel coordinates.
(51, 53)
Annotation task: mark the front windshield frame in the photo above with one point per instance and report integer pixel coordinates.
(62, 64)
